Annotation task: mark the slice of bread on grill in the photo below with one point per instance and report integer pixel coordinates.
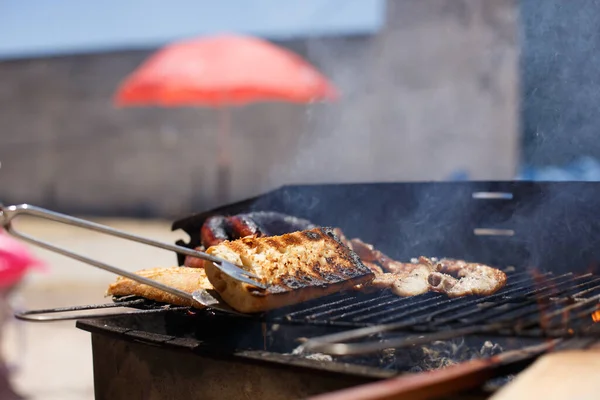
(296, 267)
(182, 278)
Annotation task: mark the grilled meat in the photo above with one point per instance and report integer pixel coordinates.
(412, 281)
(453, 277)
(219, 228)
(194, 262)
(242, 226)
(383, 281)
(368, 253)
(459, 278)
(182, 278)
(361, 251)
(214, 231)
(275, 224)
(297, 267)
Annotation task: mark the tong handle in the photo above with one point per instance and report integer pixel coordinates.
(71, 313)
(7, 214)
(11, 212)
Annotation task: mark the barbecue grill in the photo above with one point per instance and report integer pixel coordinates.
(543, 234)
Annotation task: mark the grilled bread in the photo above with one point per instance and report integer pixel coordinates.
(182, 278)
(296, 266)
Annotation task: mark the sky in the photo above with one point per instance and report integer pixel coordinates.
(37, 28)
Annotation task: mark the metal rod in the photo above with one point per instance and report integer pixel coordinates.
(104, 266)
(535, 292)
(336, 344)
(8, 214)
(11, 212)
(435, 309)
(44, 315)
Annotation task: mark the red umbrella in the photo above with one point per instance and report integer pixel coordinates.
(220, 71)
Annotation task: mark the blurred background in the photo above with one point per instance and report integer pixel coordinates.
(430, 90)
(419, 81)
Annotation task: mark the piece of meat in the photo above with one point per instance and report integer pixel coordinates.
(364, 250)
(219, 228)
(296, 267)
(458, 278)
(384, 281)
(214, 231)
(340, 235)
(377, 270)
(413, 282)
(182, 278)
(273, 223)
(242, 226)
(453, 277)
(194, 262)
(409, 282)
(368, 253)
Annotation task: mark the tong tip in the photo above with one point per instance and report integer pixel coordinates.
(240, 274)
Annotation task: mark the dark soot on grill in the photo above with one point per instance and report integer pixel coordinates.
(433, 356)
(553, 222)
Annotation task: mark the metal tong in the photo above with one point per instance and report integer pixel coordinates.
(9, 213)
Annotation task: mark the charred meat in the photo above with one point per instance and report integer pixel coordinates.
(218, 229)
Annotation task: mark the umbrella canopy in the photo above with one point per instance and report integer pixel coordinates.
(223, 70)
(220, 71)
(15, 260)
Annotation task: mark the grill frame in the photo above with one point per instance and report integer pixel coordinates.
(542, 303)
(469, 206)
(548, 219)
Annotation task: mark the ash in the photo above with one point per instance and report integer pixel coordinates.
(299, 351)
(442, 354)
(437, 355)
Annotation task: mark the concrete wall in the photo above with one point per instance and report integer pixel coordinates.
(561, 88)
(434, 92)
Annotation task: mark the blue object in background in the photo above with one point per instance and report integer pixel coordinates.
(582, 169)
(459, 175)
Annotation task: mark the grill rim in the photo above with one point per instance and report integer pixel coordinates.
(195, 346)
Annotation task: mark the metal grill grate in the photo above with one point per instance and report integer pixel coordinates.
(531, 304)
(534, 305)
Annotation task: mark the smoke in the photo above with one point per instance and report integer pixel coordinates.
(335, 145)
(560, 65)
(554, 225)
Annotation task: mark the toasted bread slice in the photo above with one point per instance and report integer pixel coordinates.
(297, 267)
(182, 278)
